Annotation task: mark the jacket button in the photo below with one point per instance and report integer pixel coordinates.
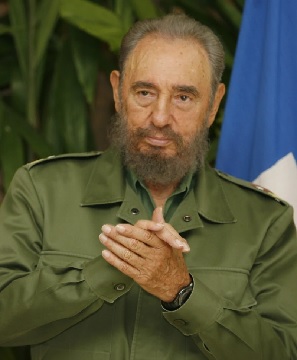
(134, 211)
(120, 287)
(187, 218)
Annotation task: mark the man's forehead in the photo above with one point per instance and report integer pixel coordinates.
(154, 45)
(178, 55)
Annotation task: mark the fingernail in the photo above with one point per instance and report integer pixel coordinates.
(182, 245)
(105, 254)
(106, 229)
(120, 228)
(186, 248)
(102, 238)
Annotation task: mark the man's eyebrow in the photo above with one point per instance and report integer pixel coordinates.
(188, 89)
(143, 84)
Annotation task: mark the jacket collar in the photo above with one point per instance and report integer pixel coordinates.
(211, 200)
(107, 185)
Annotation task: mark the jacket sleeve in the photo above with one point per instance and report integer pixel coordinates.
(37, 303)
(266, 330)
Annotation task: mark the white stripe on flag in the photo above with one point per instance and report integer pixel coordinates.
(281, 179)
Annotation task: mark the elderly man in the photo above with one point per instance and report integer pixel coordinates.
(190, 263)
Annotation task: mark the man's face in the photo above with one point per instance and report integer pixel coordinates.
(165, 95)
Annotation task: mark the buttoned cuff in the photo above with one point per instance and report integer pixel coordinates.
(201, 310)
(107, 282)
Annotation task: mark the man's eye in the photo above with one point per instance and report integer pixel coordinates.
(184, 97)
(144, 93)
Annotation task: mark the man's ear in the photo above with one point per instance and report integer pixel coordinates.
(115, 83)
(216, 103)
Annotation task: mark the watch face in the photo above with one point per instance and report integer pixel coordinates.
(180, 299)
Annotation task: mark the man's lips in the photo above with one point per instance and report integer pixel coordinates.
(157, 141)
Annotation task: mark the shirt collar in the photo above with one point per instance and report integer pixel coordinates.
(184, 185)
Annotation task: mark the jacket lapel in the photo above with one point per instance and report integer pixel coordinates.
(212, 202)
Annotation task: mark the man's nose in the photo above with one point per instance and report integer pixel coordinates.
(161, 115)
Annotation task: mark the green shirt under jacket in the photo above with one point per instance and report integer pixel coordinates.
(60, 296)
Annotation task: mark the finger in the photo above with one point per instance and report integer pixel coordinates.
(158, 215)
(172, 238)
(136, 239)
(166, 233)
(144, 231)
(133, 232)
(121, 251)
(110, 233)
(118, 263)
(149, 225)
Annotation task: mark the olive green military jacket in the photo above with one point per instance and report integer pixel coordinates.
(59, 295)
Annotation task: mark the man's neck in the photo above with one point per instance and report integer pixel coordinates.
(160, 193)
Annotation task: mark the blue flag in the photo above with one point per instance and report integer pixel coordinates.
(259, 134)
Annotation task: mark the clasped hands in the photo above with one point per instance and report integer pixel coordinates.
(150, 252)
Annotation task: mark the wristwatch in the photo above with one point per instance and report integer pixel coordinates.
(180, 299)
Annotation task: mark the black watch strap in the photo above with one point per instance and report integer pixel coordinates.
(180, 299)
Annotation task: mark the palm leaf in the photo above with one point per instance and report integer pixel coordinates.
(144, 9)
(47, 16)
(17, 14)
(94, 19)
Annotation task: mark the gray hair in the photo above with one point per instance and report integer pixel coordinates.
(178, 26)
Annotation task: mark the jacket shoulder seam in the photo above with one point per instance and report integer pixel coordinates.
(70, 156)
(251, 186)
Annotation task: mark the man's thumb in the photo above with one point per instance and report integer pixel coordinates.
(158, 215)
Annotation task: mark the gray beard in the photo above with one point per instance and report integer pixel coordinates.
(152, 166)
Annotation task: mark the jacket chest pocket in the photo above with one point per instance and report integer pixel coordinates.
(90, 338)
(230, 284)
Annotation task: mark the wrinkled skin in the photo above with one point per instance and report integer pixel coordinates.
(151, 253)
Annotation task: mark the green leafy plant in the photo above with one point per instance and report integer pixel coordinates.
(51, 53)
